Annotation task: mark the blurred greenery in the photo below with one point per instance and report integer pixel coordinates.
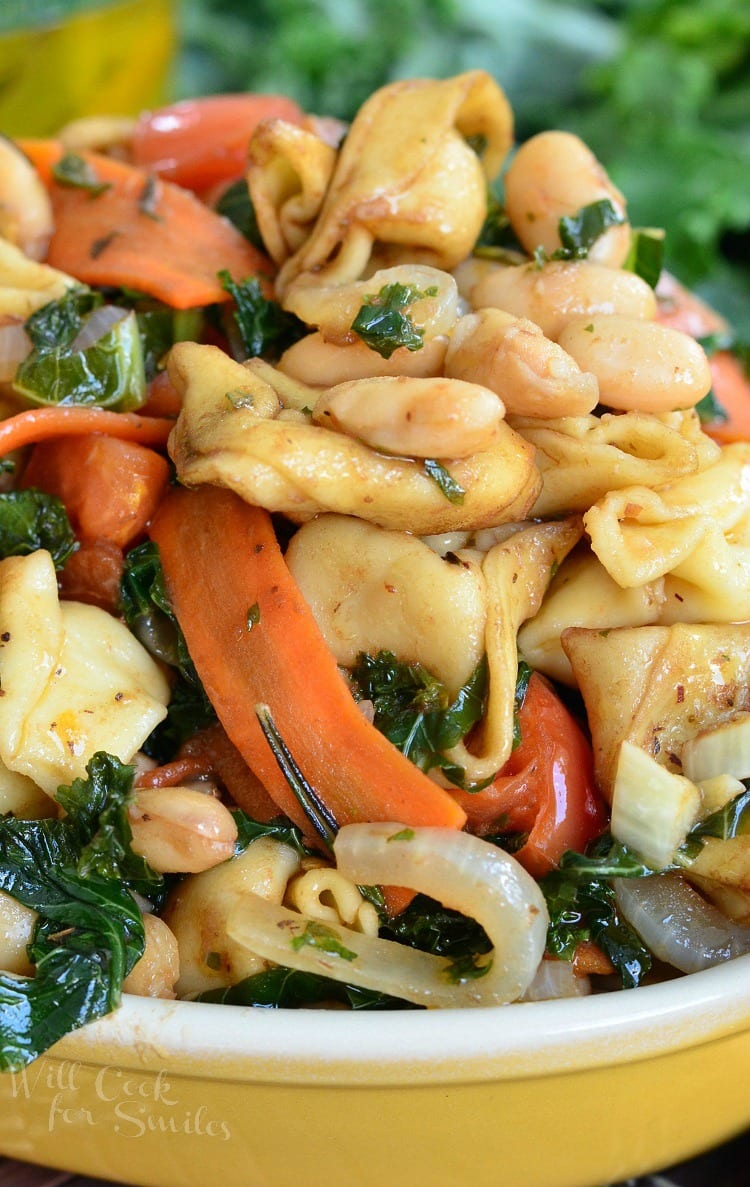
(660, 90)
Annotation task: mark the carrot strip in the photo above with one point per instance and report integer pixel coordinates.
(43, 424)
(141, 233)
(253, 639)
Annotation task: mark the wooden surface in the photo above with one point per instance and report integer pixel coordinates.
(727, 1167)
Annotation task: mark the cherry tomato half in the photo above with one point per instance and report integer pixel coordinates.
(198, 143)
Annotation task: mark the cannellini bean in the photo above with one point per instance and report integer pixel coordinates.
(16, 928)
(640, 366)
(533, 375)
(158, 970)
(181, 831)
(25, 206)
(97, 132)
(333, 307)
(426, 418)
(553, 293)
(554, 175)
(315, 361)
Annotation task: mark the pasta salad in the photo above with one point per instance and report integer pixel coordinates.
(374, 571)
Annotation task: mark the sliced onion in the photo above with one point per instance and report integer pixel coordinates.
(678, 924)
(460, 870)
(555, 979)
(15, 344)
(97, 324)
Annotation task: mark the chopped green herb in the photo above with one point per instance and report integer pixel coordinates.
(75, 171)
(318, 935)
(213, 961)
(253, 616)
(522, 684)
(241, 397)
(406, 834)
(646, 254)
(382, 323)
(452, 490)
(579, 232)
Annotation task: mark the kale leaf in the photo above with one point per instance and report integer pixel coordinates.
(32, 519)
(452, 490)
(236, 205)
(262, 324)
(581, 904)
(109, 373)
(78, 874)
(148, 612)
(281, 988)
(414, 709)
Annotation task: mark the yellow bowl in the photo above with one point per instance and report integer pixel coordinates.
(553, 1094)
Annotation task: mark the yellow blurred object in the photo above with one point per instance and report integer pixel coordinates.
(112, 57)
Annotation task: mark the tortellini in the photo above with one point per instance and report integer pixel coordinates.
(657, 686)
(374, 590)
(407, 185)
(74, 679)
(231, 433)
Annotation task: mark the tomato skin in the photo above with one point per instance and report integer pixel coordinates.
(198, 143)
(547, 787)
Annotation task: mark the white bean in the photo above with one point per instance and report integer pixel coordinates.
(554, 175)
(553, 293)
(158, 970)
(16, 928)
(640, 366)
(425, 418)
(532, 375)
(181, 831)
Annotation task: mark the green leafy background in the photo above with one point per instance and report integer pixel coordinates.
(660, 90)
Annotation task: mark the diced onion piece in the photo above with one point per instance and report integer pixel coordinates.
(652, 809)
(555, 979)
(15, 344)
(460, 870)
(677, 923)
(717, 792)
(96, 325)
(722, 750)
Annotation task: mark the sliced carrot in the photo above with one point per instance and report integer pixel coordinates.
(732, 391)
(110, 488)
(43, 424)
(253, 639)
(43, 154)
(142, 233)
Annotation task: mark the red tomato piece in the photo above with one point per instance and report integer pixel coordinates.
(199, 142)
(547, 787)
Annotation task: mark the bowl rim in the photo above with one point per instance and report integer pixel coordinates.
(418, 1047)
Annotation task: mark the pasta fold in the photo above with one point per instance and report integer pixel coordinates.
(74, 679)
(407, 185)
